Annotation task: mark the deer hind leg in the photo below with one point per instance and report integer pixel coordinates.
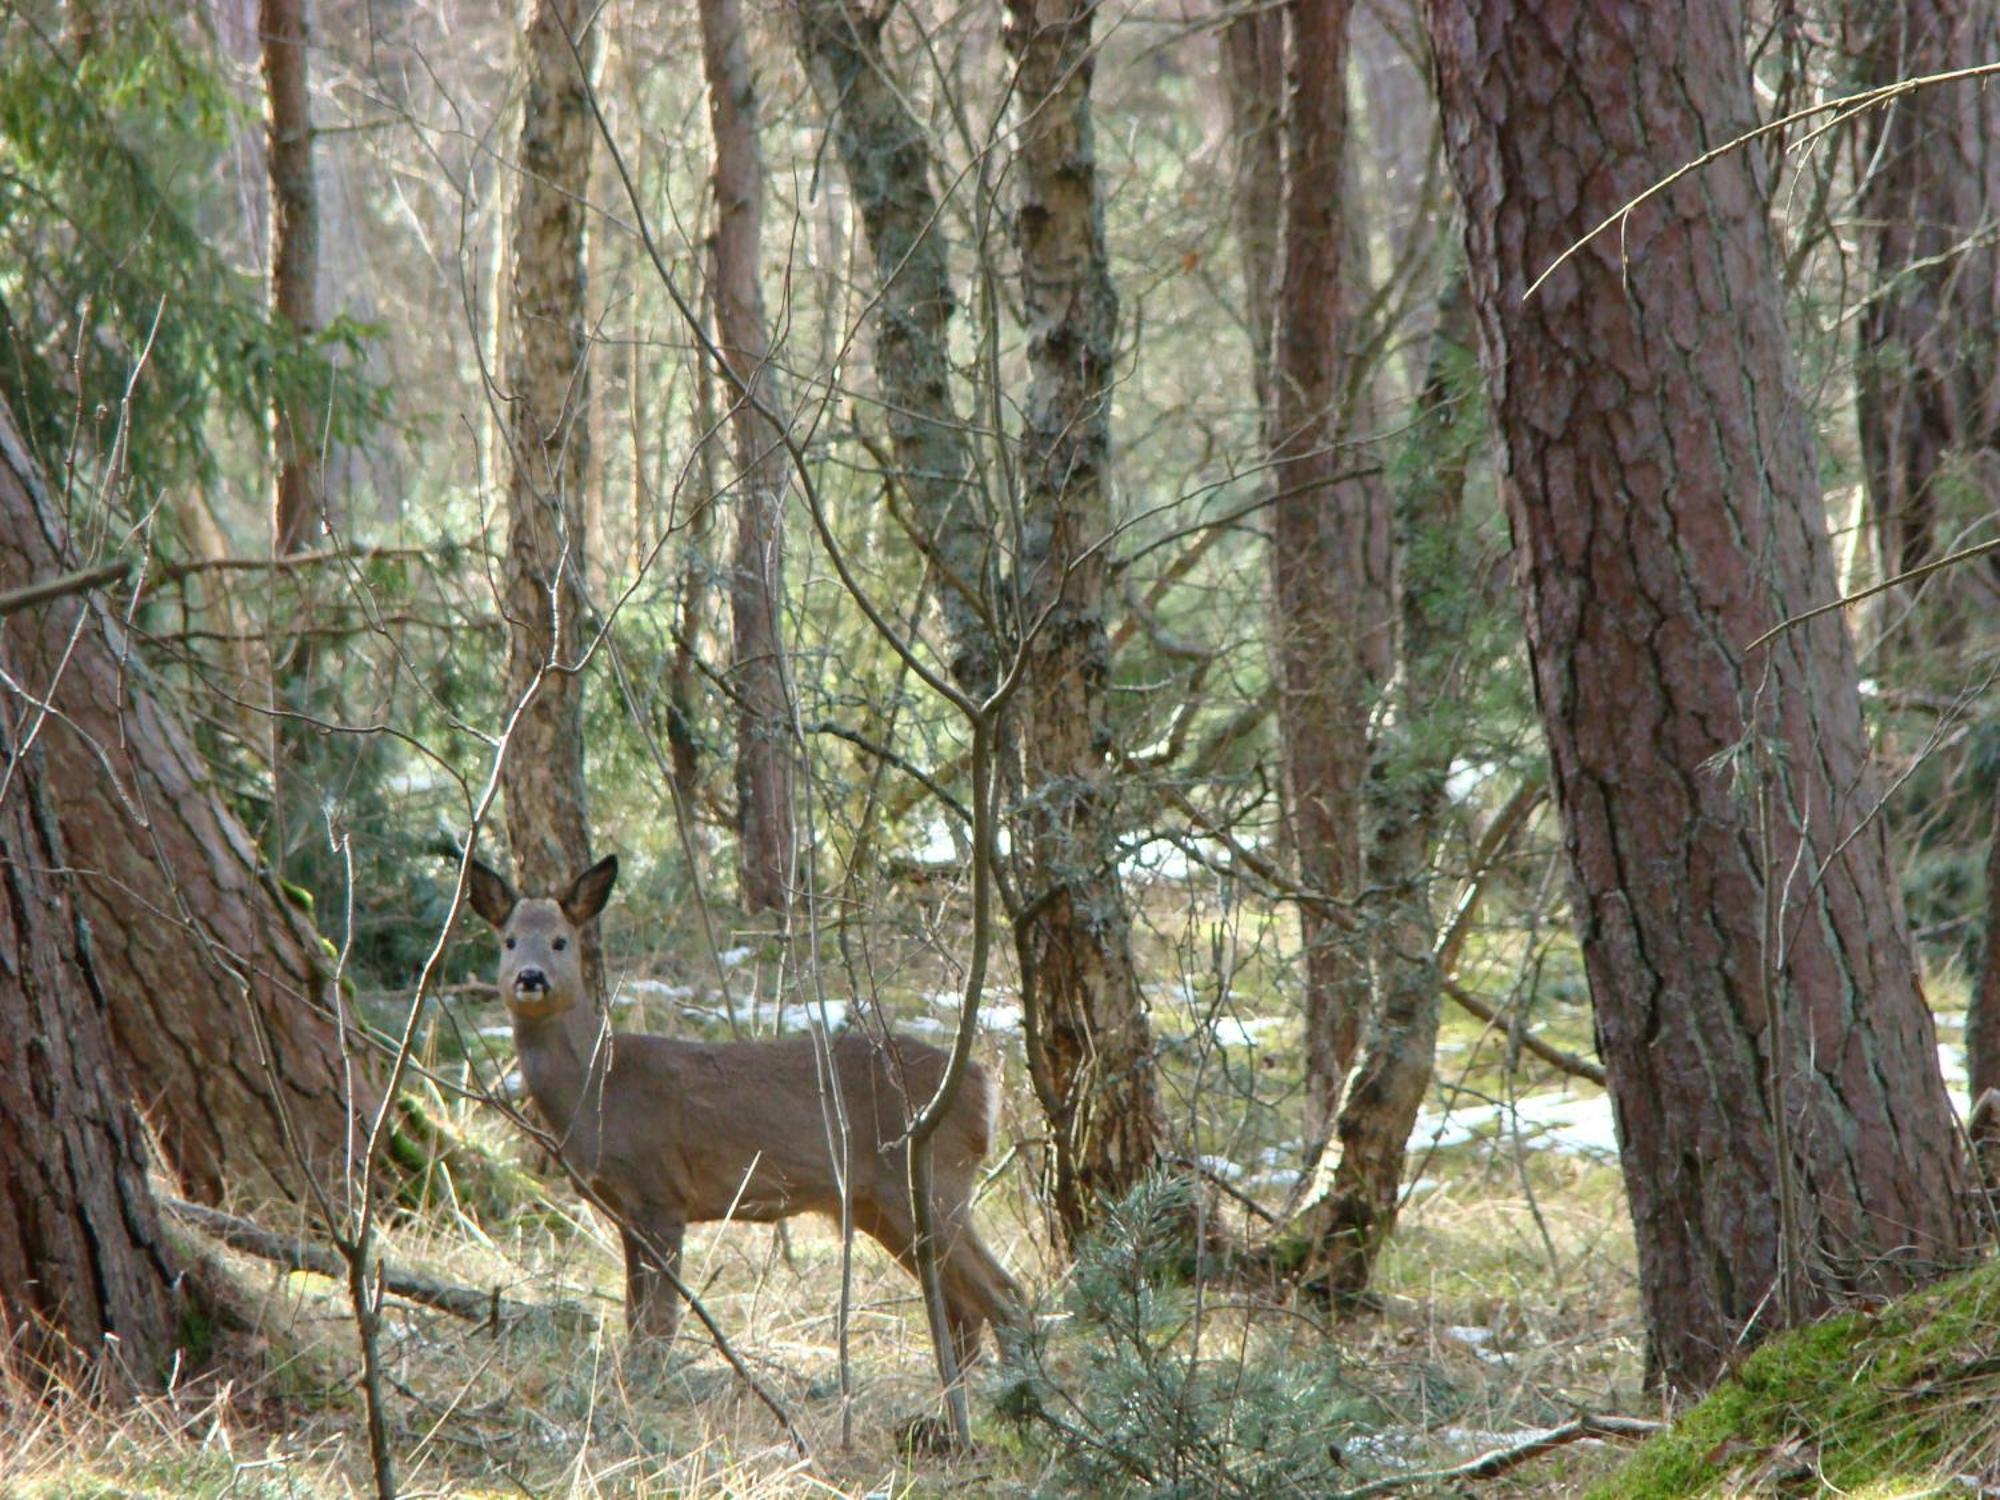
(892, 1227)
(975, 1281)
(652, 1304)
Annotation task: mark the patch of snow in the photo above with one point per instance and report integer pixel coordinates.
(1231, 1032)
(1222, 1167)
(730, 958)
(1573, 1125)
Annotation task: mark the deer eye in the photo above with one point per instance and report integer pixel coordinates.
(561, 943)
(510, 945)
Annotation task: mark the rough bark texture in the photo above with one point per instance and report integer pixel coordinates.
(1329, 555)
(1659, 478)
(86, 1279)
(216, 991)
(764, 760)
(547, 386)
(1928, 380)
(1406, 793)
(1089, 1031)
(887, 158)
(299, 497)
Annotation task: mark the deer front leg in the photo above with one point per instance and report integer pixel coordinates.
(652, 1305)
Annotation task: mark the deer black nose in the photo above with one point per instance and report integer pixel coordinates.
(531, 979)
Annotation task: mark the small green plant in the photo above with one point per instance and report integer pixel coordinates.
(1163, 1394)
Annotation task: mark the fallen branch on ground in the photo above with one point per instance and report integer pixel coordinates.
(1500, 1460)
(296, 1254)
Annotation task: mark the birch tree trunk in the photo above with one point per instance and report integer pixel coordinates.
(1086, 1022)
(547, 392)
(764, 759)
(1784, 1132)
(1406, 792)
(887, 159)
(218, 996)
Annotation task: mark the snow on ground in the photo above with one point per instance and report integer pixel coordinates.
(1572, 1124)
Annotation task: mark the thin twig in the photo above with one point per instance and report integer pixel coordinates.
(1950, 559)
(1548, 1052)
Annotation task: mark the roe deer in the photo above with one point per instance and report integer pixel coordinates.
(671, 1133)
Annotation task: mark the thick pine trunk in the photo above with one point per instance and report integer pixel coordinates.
(1329, 556)
(217, 992)
(547, 391)
(1086, 1019)
(1785, 1135)
(764, 759)
(86, 1277)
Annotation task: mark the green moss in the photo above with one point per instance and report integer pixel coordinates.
(1889, 1403)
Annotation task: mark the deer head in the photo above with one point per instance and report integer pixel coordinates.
(541, 960)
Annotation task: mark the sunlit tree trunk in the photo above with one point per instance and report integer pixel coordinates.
(1330, 561)
(282, 33)
(1083, 1010)
(764, 759)
(1785, 1135)
(217, 992)
(546, 391)
(86, 1277)
(1406, 793)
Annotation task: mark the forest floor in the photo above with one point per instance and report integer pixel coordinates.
(1508, 1305)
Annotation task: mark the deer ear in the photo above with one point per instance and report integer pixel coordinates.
(587, 893)
(492, 897)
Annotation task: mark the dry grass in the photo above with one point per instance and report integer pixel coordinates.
(1508, 1303)
(1482, 1334)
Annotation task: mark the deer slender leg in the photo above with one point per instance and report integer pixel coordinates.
(652, 1305)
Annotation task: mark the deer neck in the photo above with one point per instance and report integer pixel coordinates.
(563, 1058)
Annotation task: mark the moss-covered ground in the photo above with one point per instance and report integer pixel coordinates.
(1904, 1401)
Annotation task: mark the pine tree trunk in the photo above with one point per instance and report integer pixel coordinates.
(547, 392)
(218, 994)
(296, 505)
(764, 759)
(1331, 587)
(1928, 375)
(86, 1277)
(1785, 1136)
(1253, 72)
(1082, 1008)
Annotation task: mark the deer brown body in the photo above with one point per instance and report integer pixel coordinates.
(670, 1133)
